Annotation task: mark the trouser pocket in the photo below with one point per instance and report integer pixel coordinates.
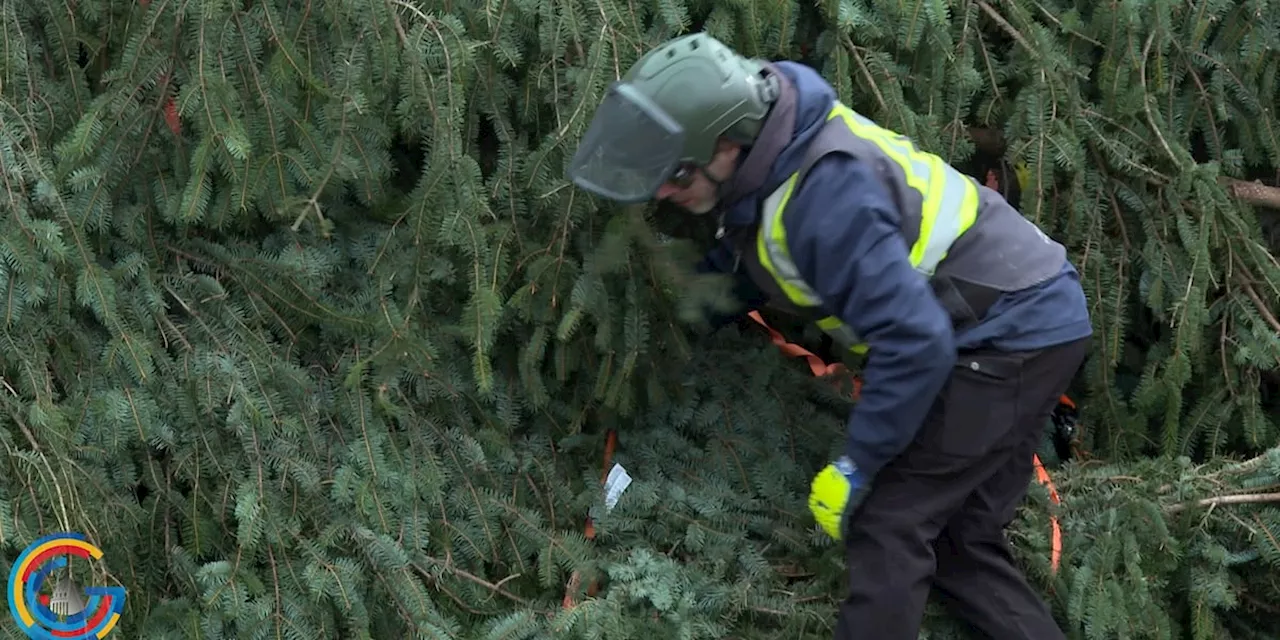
(981, 403)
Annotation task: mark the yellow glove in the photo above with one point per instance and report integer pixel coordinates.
(829, 495)
(1023, 173)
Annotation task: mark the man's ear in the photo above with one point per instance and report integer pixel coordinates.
(728, 151)
(724, 144)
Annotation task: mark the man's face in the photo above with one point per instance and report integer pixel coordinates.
(697, 194)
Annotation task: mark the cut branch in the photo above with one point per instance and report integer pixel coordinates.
(1254, 193)
(1244, 498)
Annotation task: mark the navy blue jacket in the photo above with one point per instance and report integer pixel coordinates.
(843, 232)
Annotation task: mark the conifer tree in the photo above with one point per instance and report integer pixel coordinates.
(305, 327)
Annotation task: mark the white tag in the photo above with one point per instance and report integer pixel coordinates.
(614, 485)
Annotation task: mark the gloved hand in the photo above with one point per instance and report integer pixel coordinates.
(834, 493)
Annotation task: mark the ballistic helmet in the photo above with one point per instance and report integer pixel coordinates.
(668, 111)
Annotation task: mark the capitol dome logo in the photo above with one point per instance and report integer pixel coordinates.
(70, 612)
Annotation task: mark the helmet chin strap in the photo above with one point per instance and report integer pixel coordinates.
(722, 190)
(721, 185)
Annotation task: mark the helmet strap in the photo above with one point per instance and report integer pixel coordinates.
(722, 184)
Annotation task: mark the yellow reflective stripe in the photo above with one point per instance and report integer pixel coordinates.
(843, 334)
(771, 248)
(775, 257)
(829, 322)
(938, 183)
(949, 208)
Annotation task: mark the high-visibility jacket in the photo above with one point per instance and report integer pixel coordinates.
(804, 214)
(969, 242)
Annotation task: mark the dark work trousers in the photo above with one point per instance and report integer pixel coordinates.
(936, 514)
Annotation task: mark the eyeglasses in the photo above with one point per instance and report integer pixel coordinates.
(683, 176)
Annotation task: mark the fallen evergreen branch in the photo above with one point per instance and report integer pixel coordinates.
(1162, 545)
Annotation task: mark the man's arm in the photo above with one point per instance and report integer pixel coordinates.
(720, 260)
(843, 233)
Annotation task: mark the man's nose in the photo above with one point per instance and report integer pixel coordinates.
(667, 190)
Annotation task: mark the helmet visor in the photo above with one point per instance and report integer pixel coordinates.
(630, 148)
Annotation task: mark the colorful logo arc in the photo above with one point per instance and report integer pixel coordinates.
(30, 608)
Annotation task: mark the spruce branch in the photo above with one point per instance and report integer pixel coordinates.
(1252, 464)
(1258, 304)
(1051, 15)
(1008, 28)
(1146, 101)
(1245, 279)
(1252, 192)
(866, 72)
(470, 577)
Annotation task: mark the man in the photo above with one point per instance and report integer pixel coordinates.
(971, 319)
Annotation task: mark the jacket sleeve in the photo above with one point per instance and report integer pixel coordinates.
(843, 234)
(720, 260)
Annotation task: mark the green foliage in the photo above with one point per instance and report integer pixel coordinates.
(304, 326)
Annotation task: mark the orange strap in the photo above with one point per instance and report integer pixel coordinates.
(610, 444)
(1042, 475)
(821, 368)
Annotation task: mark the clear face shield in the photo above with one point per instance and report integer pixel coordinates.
(630, 148)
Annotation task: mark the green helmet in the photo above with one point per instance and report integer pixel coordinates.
(669, 110)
